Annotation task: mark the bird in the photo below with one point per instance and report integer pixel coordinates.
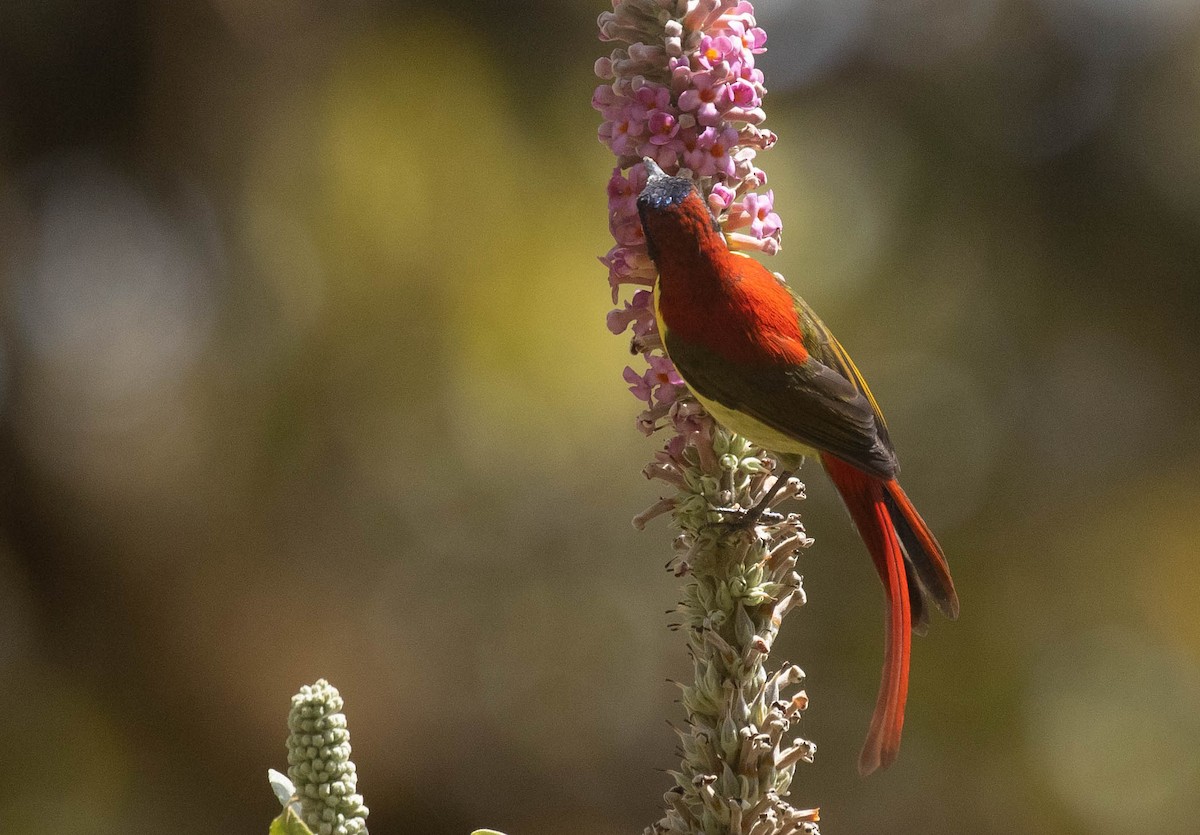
(764, 366)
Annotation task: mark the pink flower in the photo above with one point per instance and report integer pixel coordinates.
(742, 93)
(646, 325)
(687, 416)
(740, 20)
(764, 223)
(638, 385)
(626, 229)
(628, 265)
(647, 421)
(604, 98)
(625, 135)
(649, 97)
(663, 127)
(713, 152)
(623, 192)
(660, 384)
(637, 311)
(715, 50)
(705, 97)
(663, 377)
(721, 197)
(751, 74)
(749, 37)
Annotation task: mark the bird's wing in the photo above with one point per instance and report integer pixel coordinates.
(821, 343)
(816, 403)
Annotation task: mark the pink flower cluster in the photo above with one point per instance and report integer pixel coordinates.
(687, 110)
(684, 92)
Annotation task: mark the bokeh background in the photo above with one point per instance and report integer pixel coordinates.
(304, 373)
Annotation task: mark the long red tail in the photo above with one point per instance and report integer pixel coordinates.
(911, 566)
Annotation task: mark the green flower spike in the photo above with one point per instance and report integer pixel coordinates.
(319, 763)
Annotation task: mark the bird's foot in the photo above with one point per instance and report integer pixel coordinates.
(739, 518)
(746, 519)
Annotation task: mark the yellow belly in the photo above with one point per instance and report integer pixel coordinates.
(752, 428)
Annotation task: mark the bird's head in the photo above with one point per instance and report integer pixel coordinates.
(672, 212)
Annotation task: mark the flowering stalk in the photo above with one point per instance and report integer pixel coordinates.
(319, 763)
(685, 92)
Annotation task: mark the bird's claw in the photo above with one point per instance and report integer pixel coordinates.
(739, 517)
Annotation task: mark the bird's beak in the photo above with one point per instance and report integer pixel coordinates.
(652, 169)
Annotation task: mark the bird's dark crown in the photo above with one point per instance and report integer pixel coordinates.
(662, 192)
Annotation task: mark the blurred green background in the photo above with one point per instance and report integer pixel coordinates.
(304, 373)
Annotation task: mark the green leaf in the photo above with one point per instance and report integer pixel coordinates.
(289, 823)
(282, 786)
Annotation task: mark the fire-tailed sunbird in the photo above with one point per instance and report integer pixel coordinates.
(762, 363)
